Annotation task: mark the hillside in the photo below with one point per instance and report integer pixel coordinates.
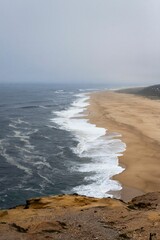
(71, 217)
(151, 91)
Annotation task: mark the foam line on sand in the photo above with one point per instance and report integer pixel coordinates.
(137, 119)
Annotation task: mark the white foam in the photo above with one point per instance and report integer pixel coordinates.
(45, 181)
(59, 91)
(19, 121)
(101, 150)
(15, 123)
(23, 138)
(14, 162)
(42, 164)
(12, 125)
(42, 106)
(22, 149)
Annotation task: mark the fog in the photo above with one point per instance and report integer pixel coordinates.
(80, 41)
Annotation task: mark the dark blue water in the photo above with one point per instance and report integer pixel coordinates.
(35, 156)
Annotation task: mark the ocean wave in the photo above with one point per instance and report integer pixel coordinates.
(30, 107)
(95, 144)
(19, 121)
(59, 91)
(15, 163)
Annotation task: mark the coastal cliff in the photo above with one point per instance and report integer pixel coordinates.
(71, 217)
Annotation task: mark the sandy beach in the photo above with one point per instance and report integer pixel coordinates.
(137, 119)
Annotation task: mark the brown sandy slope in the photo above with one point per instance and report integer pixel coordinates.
(77, 217)
(137, 119)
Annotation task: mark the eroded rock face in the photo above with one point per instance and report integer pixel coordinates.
(148, 201)
(71, 217)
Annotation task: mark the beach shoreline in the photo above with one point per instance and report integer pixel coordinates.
(137, 119)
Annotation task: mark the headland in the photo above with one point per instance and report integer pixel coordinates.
(71, 217)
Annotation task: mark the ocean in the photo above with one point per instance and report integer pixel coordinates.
(48, 147)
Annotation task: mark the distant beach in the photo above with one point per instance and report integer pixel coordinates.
(137, 119)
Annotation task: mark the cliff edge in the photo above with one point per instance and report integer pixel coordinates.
(71, 217)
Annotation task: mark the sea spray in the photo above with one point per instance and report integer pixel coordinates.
(97, 145)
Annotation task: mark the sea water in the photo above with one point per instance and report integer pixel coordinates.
(47, 145)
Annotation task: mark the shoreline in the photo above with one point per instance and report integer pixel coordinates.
(137, 119)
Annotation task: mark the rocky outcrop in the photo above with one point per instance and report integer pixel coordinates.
(72, 217)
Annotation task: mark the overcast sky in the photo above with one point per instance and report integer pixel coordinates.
(101, 41)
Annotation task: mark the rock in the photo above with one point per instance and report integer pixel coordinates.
(147, 201)
(71, 217)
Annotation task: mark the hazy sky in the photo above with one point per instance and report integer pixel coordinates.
(101, 41)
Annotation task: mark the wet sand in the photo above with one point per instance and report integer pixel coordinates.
(137, 119)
